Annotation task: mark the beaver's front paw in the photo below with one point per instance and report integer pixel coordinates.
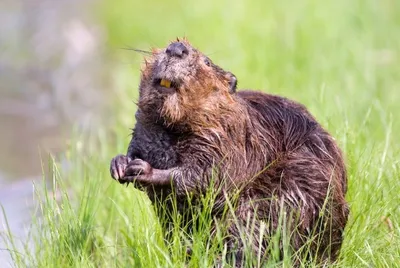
(118, 167)
(138, 169)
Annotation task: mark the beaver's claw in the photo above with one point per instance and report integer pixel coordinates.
(118, 167)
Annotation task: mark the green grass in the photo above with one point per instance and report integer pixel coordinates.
(339, 58)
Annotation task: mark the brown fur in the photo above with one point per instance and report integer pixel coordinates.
(267, 148)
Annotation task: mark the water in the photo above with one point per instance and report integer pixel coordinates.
(49, 69)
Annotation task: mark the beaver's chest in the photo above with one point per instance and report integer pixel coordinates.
(156, 146)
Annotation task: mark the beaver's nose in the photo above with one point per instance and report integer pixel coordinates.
(177, 49)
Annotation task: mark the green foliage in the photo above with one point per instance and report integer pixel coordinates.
(339, 58)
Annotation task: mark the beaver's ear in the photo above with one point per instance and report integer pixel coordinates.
(232, 83)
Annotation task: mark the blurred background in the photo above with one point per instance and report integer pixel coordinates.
(64, 69)
(53, 78)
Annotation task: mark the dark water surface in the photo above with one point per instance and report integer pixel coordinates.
(49, 70)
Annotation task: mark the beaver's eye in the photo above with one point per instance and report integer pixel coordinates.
(207, 62)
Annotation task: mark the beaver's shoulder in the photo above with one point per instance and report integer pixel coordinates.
(290, 122)
(273, 105)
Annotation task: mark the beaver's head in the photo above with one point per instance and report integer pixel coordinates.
(181, 84)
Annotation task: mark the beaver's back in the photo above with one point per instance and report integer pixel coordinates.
(307, 168)
(289, 121)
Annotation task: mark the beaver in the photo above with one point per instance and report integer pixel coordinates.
(191, 120)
